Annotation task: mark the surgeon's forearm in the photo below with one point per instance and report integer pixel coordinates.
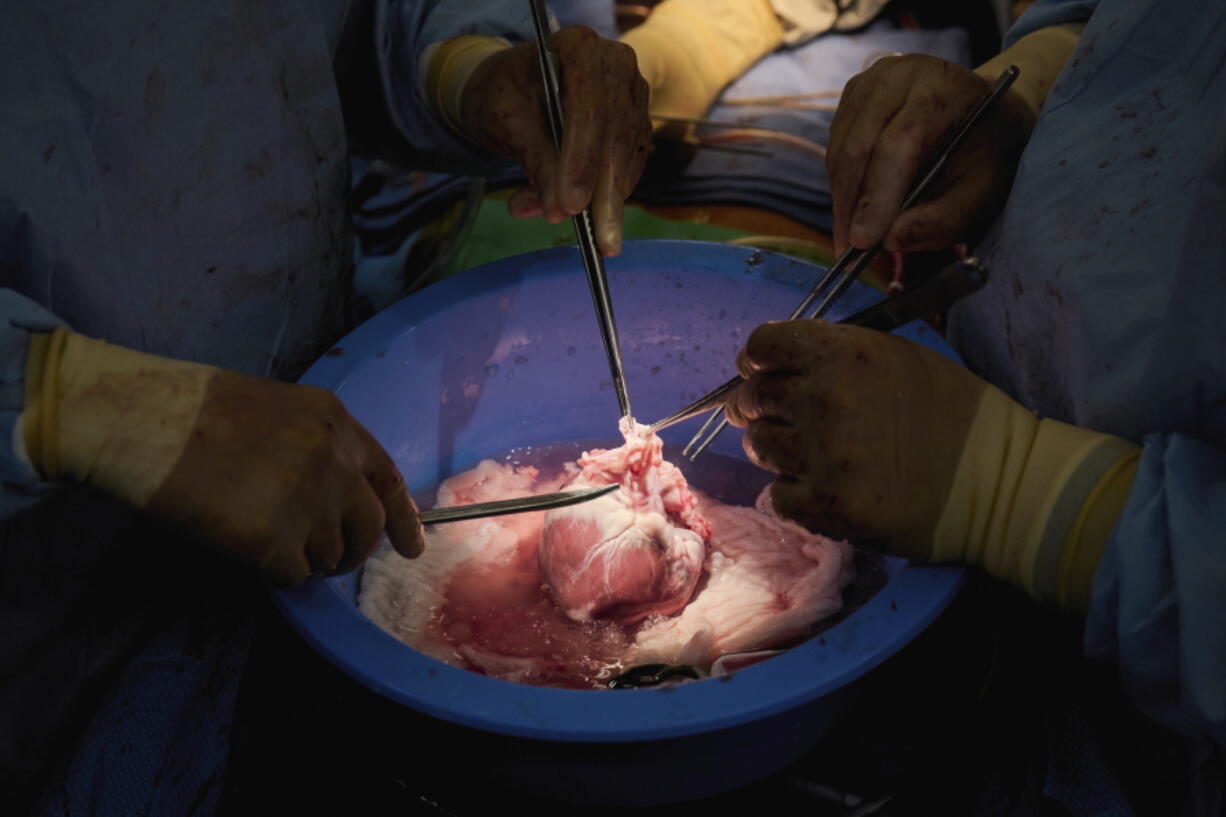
(1041, 56)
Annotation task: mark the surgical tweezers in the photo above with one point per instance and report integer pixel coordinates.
(933, 295)
(585, 232)
(852, 262)
(541, 502)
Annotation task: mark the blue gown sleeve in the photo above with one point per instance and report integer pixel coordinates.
(19, 316)
(1159, 600)
(1044, 13)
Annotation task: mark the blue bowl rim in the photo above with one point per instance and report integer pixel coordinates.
(914, 596)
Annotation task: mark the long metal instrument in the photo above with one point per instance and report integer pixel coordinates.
(585, 232)
(852, 262)
(541, 502)
(934, 295)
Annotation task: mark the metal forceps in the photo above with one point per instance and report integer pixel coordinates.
(852, 262)
(933, 295)
(585, 233)
(540, 502)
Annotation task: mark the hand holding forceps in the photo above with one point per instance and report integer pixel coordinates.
(831, 286)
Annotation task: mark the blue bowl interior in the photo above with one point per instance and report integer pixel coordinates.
(508, 355)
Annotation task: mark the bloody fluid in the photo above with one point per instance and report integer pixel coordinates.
(502, 608)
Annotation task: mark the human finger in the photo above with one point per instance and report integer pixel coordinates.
(400, 518)
(946, 219)
(809, 505)
(638, 143)
(790, 499)
(286, 562)
(520, 131)
(762, 396)
(608, 211)
(361, 525)
(403, 524)
(902, 146)
(775, 446)
(625, 154)
(539, 159)
(629, 134)
(525, 203)
(850, 101)
(325, 546)
(838, 168)
(782, 347)
(584, 110)
(876, 98)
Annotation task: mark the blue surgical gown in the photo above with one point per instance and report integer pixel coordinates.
(173, 178)
(1106, 308)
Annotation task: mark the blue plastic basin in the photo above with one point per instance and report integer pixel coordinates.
(507, 355)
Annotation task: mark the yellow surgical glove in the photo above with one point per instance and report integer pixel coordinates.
(1033, 501)
(493, 95)
(877, 437)
(1040, 57)
(107, 416)
(279, 476)
(688, 50)
(449, 68)
(891, 115)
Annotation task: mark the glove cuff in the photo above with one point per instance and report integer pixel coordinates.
(107, 416)
(39, 416)
(981, 498)
(1033, 501)
(449, 66)
(1041, 56)
(1095, 521)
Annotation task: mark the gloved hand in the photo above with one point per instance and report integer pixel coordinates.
(278, 475)
(877, 437)
(892, 116)
(494, 95)
(688, 50)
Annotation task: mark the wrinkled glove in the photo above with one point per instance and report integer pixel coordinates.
(493, 94)
(878, 437)
(278, 475)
